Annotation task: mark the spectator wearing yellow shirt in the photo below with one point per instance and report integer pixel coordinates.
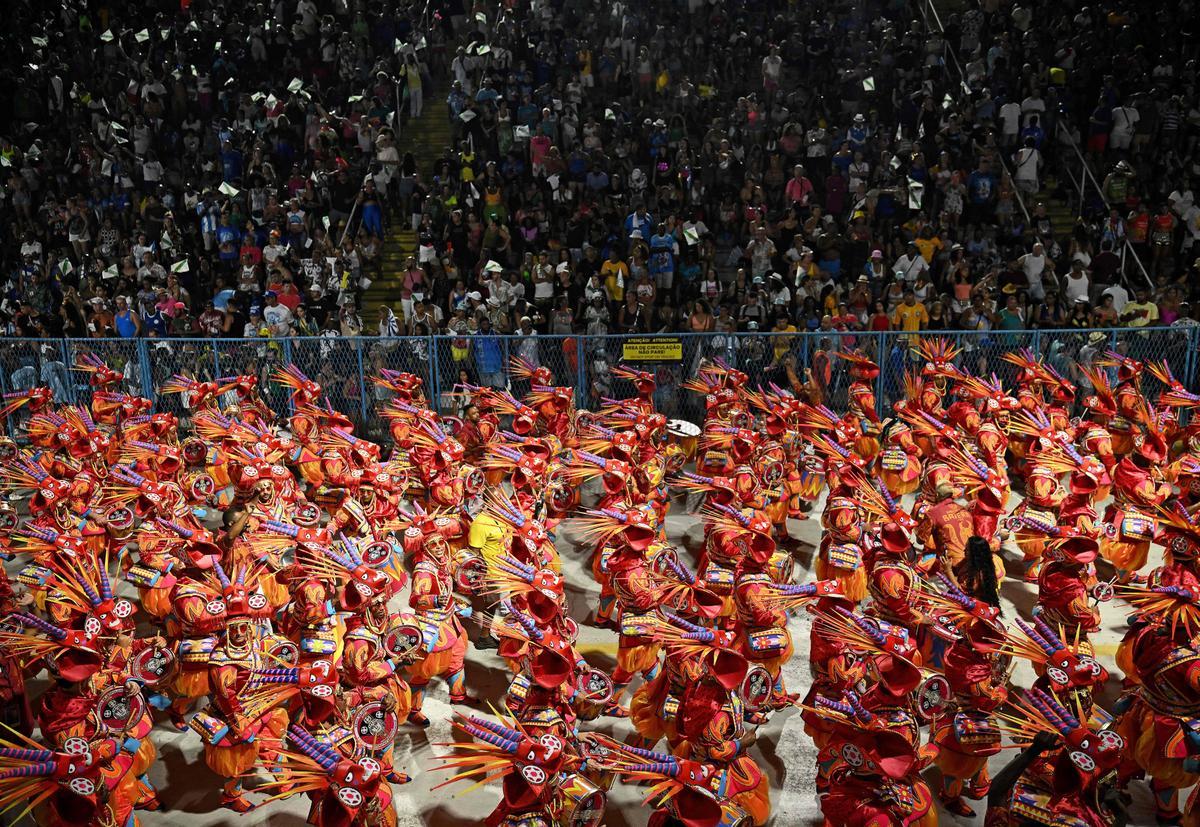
(929, 245)
(487, 536)
(1140, 313)
(616, 275)
(782, 344)
(910, 315)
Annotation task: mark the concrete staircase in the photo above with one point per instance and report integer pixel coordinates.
(1062, 213)
(426, 138)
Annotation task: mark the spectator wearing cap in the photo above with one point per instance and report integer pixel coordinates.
(875, 270)
(752, 310)
(277, 315)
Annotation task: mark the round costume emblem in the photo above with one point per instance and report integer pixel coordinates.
(350, 797)
(82, 786)
(534, 775)
(1083, 761)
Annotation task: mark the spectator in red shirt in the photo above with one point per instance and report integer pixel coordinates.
(798, 189)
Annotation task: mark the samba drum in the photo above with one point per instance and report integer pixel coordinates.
(685, 434)
(403, 639)
(469, 569)
(120, 521)
(374, 728)
(781, 566)
(153, 667)
(593, 691)
(378, 554)
(472, 479)
(118, 710)
(597, 755)
(933, 695)
(307, 515)
(581, 802)
(755, 690)
(284, 651)
(663, 559)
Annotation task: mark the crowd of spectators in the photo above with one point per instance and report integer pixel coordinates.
(615, 168)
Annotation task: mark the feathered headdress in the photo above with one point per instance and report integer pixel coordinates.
(304, 390)
(939, 354)
(1087, 753)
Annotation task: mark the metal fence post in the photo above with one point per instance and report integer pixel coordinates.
(435, 373)
(72, 392)
(1189, 378)
(582, 348)
(362, 385)
(1037, 342)
(881, 359)
(143, 351)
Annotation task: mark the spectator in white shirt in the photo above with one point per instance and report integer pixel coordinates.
(1124, 119)
(1076, 284)
(277, 316)
(1120, 297)
(910, 265)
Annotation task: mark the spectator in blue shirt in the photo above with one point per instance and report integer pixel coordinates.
(489, 356)
(231, 163)
(155, 323)
(597, 180)
(981, 191)
(641, 221)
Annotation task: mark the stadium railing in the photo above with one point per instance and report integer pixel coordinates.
(344, 366)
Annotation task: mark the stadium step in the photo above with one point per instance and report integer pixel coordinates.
(426, 138)
(1062, 213)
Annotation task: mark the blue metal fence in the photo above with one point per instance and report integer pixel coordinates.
(344, 366)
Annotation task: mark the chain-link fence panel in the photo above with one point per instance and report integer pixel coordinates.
(125, 356)
(344, 367)
(29, 363)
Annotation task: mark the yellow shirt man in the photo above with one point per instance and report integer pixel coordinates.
(487, 536)
(910, 317)
(616, 276)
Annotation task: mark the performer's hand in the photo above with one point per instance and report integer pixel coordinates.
(1044, 741)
